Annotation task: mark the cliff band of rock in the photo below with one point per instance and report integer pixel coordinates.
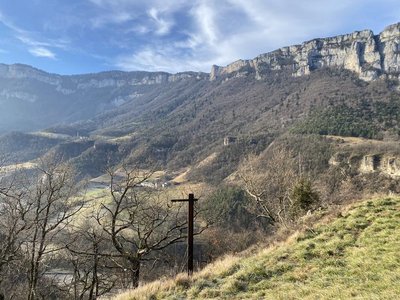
(384, 164)
(100, 80)
(370, 56)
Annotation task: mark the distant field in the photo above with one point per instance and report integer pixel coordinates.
(358, 140)
(354, 256)
(53, 135)
(95, 196)
(105, 178)
(11, 168)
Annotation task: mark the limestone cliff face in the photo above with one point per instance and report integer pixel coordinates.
(383, 163)
(388, 165)
(370, 56)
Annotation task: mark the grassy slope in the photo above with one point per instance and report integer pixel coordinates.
(355, 256)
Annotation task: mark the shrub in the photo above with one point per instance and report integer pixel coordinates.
(228, 206)
(304, 197)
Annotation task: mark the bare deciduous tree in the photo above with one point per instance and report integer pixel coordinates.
(13, 226)
(268, 180)
(91, 273)
(139, 222)
(128, 229)
(52, 204)
(35, 207)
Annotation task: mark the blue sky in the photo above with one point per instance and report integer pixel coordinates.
(84, 36)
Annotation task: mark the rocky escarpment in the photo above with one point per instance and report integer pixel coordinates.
(370, 56)
(69, 84)
(387, 164)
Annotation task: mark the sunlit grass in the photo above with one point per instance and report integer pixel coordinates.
(52, 135)
(16, 167)
(355, 256)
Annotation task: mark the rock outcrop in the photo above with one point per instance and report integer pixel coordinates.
(384, 164)
(370, 56)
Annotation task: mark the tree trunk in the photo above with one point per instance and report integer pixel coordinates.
(94, 287)
(32, 283)
(135, 273)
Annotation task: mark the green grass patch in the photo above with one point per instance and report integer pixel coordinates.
(355, 256)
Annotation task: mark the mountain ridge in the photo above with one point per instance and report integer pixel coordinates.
(391, 33)
(18, 70)
(368, 55)
(32, 99)
(168, 118)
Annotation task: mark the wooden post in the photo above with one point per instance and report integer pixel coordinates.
(191, 201)
(190, 233)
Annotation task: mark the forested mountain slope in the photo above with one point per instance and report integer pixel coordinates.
(177, 120)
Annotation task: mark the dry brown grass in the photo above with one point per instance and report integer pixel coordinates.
(363, 145)
(181, 280)
(181, 178)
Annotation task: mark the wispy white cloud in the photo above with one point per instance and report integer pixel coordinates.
(110, 18)
(31, 42)
(139, 29)
(35, 47)
(41, 49)
(112, 12)
(42, 52)
(163, 26)
(196, 52)
(6, 22)
(121, 11)
(151, 59)
(141, 4)
(204, 16)
(107, 3)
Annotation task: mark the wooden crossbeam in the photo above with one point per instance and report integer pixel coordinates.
(190, 201)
